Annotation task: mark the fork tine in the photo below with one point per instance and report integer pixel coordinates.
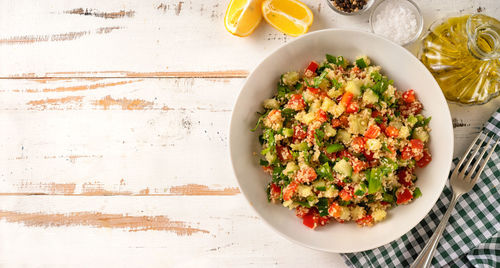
(485, 162)
(472, 170)
(457, 167)
(471, 156)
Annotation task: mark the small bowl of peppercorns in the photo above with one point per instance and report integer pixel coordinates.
(350, 7)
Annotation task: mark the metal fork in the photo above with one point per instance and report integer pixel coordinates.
(461, 182)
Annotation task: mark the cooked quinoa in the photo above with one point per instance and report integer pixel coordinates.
(342, 143)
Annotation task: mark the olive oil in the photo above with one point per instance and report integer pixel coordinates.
(462, 53)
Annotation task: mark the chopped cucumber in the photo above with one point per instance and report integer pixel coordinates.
(343, 167)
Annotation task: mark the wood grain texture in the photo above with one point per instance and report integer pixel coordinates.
(114, 118)
(154, 36)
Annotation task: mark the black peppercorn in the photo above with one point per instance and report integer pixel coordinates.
(349, 6)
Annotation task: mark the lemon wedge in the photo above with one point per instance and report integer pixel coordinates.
(291, 17)
(243, 16)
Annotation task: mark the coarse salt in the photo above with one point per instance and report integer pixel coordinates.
(396, 21)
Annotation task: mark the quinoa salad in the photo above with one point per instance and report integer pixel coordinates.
(341, 143)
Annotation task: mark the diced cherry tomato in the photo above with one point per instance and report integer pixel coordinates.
(275, 192)
(406, 153)
(305, 175)
(308, 220)
(403, 196)
(369, 155)
(323, 220)
(355, 69)
(417, 144)
(335, 210)
(376, 113)
(313, 90)
(268, 169)
(301, 211)
(404, 176)
(313, 66)
(296, 102)
(353, 107)
(290, 190)
(336, 122)
(346, 98)
(425, 160)
(298, 133)
(321, 116)
(313, 219)
(344, 120)
(284, 153)
(417, 148)
(407, 109)
(409, 96)
(345, 195)
(372, 132)
(358, 165)
(391, 131)
(365, 221)
(358, 144)
(345, 153)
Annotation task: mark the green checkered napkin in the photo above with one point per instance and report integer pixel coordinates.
(472, 236)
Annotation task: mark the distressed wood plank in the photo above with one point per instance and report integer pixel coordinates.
(116, 136)
(154, 37)
(45, 229)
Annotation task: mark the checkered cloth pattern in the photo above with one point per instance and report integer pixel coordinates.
(472, 236)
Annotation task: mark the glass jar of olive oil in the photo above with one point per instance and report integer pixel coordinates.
(463, 55)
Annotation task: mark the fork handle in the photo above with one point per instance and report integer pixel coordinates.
(424, 259)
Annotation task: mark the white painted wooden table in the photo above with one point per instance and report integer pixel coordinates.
(113, 127)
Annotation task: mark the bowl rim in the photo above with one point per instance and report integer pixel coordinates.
(246, 195)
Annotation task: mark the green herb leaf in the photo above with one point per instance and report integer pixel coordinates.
(331, 59)
(282, 90)
(323, 158)
(277, 173)
(263, 162)
(259, 121)
(321, 188)
(324, 171)
(417, 193)
(317, 80)
(388, 198)
(361, 63)
(335, 83)
(319, 135)
(344, 203)
(340, 61)
(322, 206)
(288, 113)
(303, 203)
(333, 148)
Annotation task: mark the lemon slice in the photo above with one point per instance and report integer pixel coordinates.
(291, 17)
(243, 16)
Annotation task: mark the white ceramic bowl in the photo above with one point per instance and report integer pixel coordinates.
(398, 64)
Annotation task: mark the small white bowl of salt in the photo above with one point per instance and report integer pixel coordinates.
(398, 20)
